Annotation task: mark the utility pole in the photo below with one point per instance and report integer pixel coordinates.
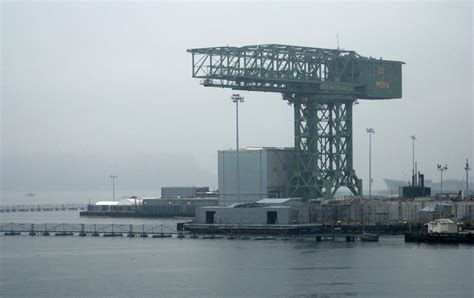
(370, 131)
(236, 98)
(467, 168)
(442, 169)
(413, 138)
(113, 185)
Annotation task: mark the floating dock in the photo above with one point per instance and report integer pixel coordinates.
(309, 232)
(234, 229)
(440, 237)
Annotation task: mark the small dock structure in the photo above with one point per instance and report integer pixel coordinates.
(443, 230)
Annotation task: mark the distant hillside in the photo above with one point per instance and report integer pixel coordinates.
(67, 172)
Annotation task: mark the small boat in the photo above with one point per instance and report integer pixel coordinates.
(12, 233)
(328, 238)
(325, 238)
(369, 237)
(64, 234)
(212, 237)
(113, 234)
(265, 238)
(162, 236)
(30, 194)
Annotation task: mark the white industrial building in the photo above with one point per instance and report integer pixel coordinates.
(175, 206)
(444, 225)
(126, 204)
(265, 211)
(264, 173)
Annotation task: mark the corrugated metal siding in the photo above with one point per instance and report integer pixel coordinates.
(261, 171)
(280, 166)
(252, 183)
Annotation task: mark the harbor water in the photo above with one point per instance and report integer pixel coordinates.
(120, 267)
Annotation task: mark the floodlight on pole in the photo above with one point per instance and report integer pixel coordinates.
(413, 139)
(370, 131)
(467, 168)
(113, 186)
(442, 169)
(236, 98)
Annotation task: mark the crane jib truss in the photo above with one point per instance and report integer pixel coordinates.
(322, 85)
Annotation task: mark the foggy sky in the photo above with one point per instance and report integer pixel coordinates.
(89, 89)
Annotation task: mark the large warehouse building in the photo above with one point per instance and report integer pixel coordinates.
(267, 211)
(264, 173)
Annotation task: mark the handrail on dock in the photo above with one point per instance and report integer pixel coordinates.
(42, 207)
(86, 228)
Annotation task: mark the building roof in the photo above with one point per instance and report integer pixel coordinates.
(429, 208)
(274, 201)
(106, 203)
(444, 221)
(260, 149)
(434, 207)
(247, 205)
(129, 202)
(122, 202)
(181, 198)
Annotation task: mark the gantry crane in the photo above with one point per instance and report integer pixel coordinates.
(322, 85)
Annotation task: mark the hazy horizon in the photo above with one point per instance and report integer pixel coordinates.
(92, 89)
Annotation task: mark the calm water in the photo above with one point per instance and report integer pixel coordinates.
(118, 267)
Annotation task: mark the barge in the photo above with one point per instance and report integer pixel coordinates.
(252, 229)
(441, 231)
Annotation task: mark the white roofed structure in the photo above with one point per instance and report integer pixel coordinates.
(106, 203)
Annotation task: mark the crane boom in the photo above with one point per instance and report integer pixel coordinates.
(293, 69)
(322, 84)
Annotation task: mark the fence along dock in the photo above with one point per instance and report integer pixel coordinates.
(42, 207)
(106, 230)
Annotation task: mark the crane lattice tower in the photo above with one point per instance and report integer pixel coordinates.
(322, 85)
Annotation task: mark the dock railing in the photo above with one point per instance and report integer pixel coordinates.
(85, 229)
(42, 207)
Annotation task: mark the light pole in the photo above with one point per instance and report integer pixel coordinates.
(113, 185)
(413, 138)
(442, 169)
(467, 168)
(236, 98)
(370, 131)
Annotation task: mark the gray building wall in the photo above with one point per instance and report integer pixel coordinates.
(264, 172)
(174, 206)
(182, 191)
(281, 164)
(386, 211)
(258, 215)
